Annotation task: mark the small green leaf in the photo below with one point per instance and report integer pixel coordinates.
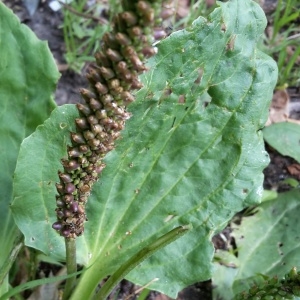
(285, 138)
(268, 242)
(27, 80)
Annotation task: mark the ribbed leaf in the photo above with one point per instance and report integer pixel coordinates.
(27, 80)
(268, 242)
(181, 161)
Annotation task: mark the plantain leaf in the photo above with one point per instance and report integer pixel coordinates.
(285, 138)
(182, 160)
(268, 242)
(27, 80)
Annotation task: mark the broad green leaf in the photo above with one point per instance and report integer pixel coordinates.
(268, 242)
(27, 80)
(188, 162)
(285, 138)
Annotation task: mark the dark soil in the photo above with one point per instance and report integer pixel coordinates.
(47, 26)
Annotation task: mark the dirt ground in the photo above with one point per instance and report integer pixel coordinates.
(47, 26)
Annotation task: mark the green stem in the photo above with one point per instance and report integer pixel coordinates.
(71, 266)
(146, 252)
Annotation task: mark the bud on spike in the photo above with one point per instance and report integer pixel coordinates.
(107, 73)
(64, 177)
(82, 123)
(123, 39)
(101, 88)
(86, 94)
(74, 207)
(84, 148)
(129, 18)
(114, 55)
(135, 32)
(77, 138)
(68, 198)
(70, 188)
(95, 105)
(84, 109)
(110, 40)
(88, 135)
(57, 225)
(74, 152)
(65, 232)
(102, 60)
(70, 166)
(59, 188)
(92, 120)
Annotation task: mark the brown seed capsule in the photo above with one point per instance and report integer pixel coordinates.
(92, 120)
(159, 34)
(70, 188)
(86, 94)
(74, 152)
(136, 84)
(135, 32)
(127, 97)
(107, 73)
(65, 232)
(68, 198)
(59, 188)
(129, 51)
(88, 135)
(95, 105)
(149, 51)
(84, 109)
(114, 55)
(114, 84)
(81, 209)
(101, 88)
(137, 64)
(60, 203)
(64, 177)
(77, 138)
(59, 213)
(110, 40)
(107, 121)
(82, 123)
(96, 128)
(145, 10)
(84, 148)
(74, 207)
(93, 77)
(107, 98)
(85, 188)
(57, 225)
(67, 213)
(94, 143)
(102, 60)
(93, 159)
(83, 160)
(70, 166)
(123, 39)
(130, 18)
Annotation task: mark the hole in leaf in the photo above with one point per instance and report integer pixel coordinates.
(62, 125)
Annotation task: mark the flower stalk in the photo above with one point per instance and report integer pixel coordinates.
(104, 113)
